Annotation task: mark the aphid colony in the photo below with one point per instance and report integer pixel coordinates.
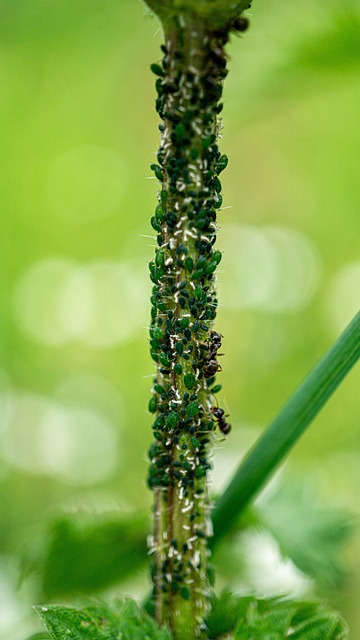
(182, 341)
(183, 297)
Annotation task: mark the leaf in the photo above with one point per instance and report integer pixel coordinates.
(226, 610)
(308, 532)
(39, 636)
(286, 429)
(86, 556)
(249, 618)
(122, 621)
(277, 619)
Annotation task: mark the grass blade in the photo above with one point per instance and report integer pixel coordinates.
(292, 421)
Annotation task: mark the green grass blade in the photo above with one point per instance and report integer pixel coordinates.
(292, 421)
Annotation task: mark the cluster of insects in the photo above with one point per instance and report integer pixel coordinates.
(184, 300)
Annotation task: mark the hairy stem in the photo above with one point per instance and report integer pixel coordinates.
(182, 341)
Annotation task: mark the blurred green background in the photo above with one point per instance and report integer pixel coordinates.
(78, 132)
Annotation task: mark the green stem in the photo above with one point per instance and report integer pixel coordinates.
(184, 302)
(184, 308)
(286, 429)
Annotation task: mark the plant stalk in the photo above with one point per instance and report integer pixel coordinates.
(182, 341)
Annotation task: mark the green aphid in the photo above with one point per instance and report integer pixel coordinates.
(217, 184)
(155, 68)
(218, 202)
(157, 170)
(184, 322)
(155, 224)
(160, 258)
(153, 404)
(222, 163)
(179, 348)
(159, 388)
(180, 132)
(195, 442)
(172, 420)
(159, 86)
(197, 274)
(201, 262)
(198, 291)
(159, 422)
(216, 389)
(178, 369)
(159, 212)
(189, 263)
(154, 355)
(207, 142)
(189, 381)
(216, 257)
(164, 360)
(157, 333)
(193, 409)
(164, 196)
(210, 268)
(159, 273)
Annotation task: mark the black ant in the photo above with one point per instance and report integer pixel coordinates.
(219, 414)
(212, 366)
(214, 343)
(240, 24)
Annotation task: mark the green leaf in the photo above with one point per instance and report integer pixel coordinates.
(249, 618)
(86, 556)
(276, 619)
(226, 610)
(310, 533)
(289, 425)
(121, 621)
(40, 636)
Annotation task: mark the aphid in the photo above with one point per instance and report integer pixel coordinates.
(219, 415)
(240, 24)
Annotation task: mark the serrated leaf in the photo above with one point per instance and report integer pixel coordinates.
(275, 620)
(87, 556)
(226, 610)
(121, 621)
(249, 618)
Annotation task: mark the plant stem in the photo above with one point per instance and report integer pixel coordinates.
(286, 429)
(184, 302)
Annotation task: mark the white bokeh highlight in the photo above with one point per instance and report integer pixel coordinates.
(102, 303)
(272, 269)
(42, 437)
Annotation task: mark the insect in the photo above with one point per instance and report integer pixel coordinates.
(219, 414)
(240, 24)
(214, 343)
(211, 367)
